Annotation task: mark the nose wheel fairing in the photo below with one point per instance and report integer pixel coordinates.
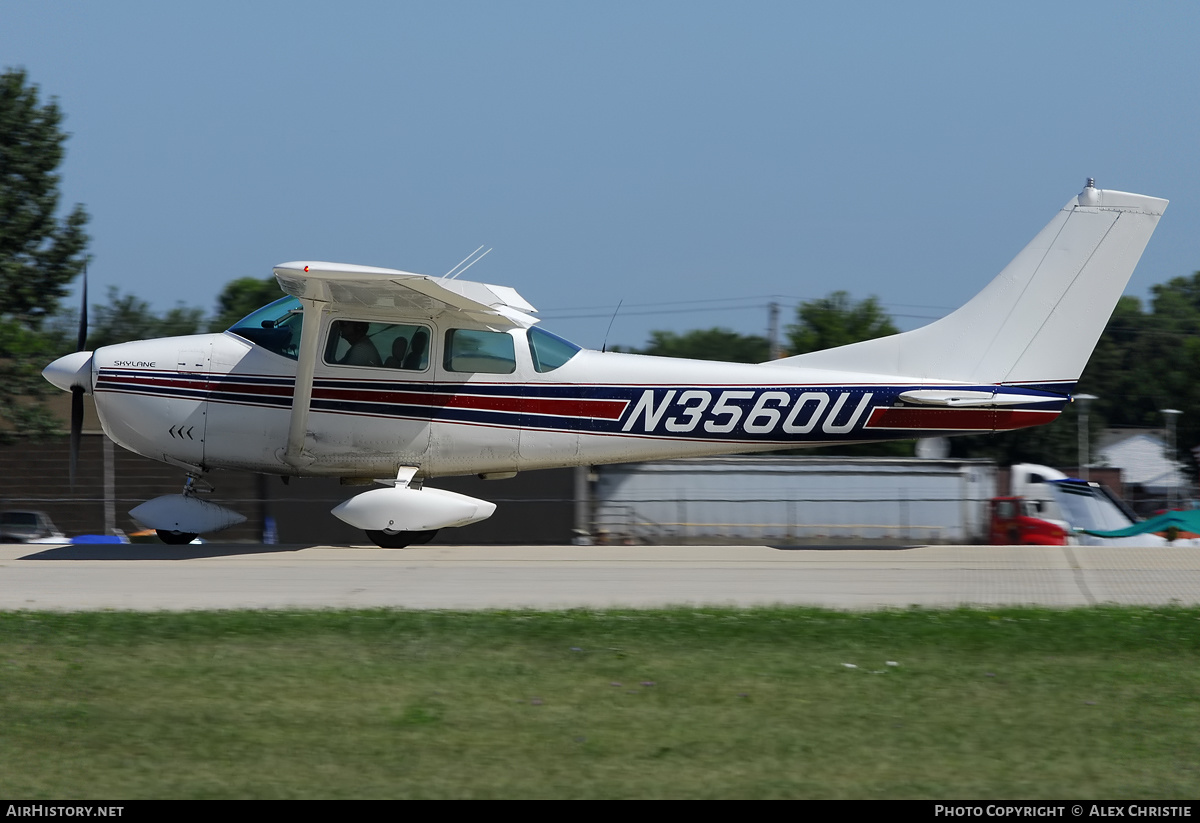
(185, 514)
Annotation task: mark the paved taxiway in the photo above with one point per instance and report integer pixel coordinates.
(215, 576)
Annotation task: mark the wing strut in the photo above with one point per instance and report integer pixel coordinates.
(314, 313)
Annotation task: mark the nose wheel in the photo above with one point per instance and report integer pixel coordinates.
(399, 540)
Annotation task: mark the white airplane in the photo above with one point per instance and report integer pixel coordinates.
(378, 374)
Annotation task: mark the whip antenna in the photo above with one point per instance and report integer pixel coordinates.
(604, 348)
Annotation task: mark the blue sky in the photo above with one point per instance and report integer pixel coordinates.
(694, 159)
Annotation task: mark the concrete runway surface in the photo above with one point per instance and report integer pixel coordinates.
(216, 576)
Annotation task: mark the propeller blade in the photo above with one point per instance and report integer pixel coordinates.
(77, 391)
(76, 428)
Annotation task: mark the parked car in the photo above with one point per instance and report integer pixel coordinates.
(29, 527)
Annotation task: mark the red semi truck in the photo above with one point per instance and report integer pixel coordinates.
(1019, 521)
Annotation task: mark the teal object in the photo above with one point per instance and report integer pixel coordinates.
(1185, 521)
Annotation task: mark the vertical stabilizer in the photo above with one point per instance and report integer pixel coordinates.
(1039, 319)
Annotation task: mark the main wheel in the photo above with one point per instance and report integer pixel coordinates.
(399, 540)
(175, 538)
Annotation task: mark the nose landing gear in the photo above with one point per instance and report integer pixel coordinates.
(400, 540)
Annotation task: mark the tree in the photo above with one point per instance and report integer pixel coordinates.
(837, 320)
(127, 317)
(39, 253)
(240, 297)
(708, 344)
(1151, 362)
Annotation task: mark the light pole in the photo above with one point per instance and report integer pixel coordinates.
(1171, 415)
(1084, 401)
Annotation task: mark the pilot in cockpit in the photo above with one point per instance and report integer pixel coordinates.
(362, 351)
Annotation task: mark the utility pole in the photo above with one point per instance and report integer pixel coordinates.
(1171, 415)
(773, 330)
(1084, 401)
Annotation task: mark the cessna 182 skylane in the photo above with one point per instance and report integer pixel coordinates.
(364, 372)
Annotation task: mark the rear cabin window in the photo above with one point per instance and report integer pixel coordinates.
(487, 352)
(377, 345)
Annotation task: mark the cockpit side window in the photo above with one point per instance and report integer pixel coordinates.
(386, 345)
(275, 327)
(488, 352)
(549, 351)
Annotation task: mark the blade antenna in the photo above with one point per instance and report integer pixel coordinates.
(604, 348)
(473, 262)
(77, 391)
(464, 260)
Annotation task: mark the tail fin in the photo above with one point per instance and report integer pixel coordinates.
(1039, 319)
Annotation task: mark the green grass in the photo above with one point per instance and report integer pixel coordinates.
(1013, 703)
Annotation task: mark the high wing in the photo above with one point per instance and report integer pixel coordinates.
(405, 293)
(326, 287)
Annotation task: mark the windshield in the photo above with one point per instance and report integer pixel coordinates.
(275, 327)
(19, 521)
(549, 351)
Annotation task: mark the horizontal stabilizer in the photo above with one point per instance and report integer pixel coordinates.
(932, 397)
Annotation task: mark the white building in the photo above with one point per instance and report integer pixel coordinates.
(1141, 455)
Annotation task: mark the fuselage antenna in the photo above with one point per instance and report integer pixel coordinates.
(604, 348)
(460, 268)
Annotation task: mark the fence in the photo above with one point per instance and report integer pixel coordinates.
(759, 499)
(537, 507)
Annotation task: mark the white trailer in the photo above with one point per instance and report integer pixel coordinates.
(794, 499)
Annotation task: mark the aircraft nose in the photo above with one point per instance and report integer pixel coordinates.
(71, 370)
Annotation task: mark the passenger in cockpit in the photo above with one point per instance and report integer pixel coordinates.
(416, 354)
(399, 347)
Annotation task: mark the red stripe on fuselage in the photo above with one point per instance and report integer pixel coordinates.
(597, 409)
(559, 407)
(915, 419)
